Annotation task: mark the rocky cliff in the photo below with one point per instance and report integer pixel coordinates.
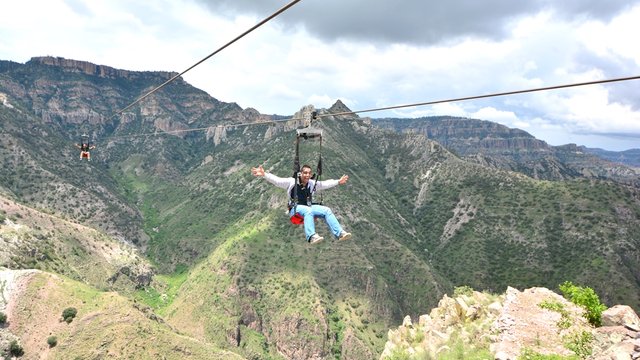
(514, 325)
(88, 68)
(495, 145)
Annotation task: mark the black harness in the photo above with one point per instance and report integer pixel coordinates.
(303, 195)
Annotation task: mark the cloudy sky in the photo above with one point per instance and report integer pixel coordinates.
(369, 54)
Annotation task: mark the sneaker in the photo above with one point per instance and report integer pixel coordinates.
(315, 238)
(344, 236)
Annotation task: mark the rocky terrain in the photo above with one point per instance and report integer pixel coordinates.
(515, 325)
(495, 145)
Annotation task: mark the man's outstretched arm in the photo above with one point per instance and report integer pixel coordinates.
(275, 180)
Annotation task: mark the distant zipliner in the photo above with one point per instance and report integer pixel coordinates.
(84, 146)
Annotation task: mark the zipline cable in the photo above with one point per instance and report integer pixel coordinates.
(283, 9)
(396, 106)
(486, 96)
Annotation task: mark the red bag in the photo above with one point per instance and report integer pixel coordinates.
(297, 219)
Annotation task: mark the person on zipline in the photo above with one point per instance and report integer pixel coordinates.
(84, 150)
(302, 206)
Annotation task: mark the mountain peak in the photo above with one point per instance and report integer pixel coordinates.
(339, 107)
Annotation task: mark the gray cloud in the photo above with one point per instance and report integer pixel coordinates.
(414, 21)
(603, 10)
(625, 92)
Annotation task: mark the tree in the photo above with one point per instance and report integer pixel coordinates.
(16, 349)
(587, 298)
(52, 341)
(69, 313)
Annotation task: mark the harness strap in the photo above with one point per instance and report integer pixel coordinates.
(319, 171)
(296, 174)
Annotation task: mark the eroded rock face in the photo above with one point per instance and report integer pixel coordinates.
(12, 284)
(619, 336)
(291, 336)
(524, 324)
(621, 315)
(140, 275)
(89, 68)
(217, 133)
(250, 318)
(353, 348)
(514, 322)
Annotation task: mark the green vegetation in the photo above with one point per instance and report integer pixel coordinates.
(399, 354)
(587, 298)
(580, 343)
(459, 350)
(15, 349)
(168, 285)
(69, 314)
(3, 318)
(528, 354)
(52, 341)
(337, 327)
(565, 318)
(462, 290)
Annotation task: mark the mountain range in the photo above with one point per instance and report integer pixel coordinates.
(496, 145)
(166, 244)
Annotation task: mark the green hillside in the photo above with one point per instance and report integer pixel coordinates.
(209, 248)
(106, 325)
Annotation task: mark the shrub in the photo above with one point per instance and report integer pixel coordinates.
(528, 354)
(52, 341)
(580, 343)
(462, 290)
(587, 298)
(399, 355)
(16, 349)
(3, 318)
(69, 313)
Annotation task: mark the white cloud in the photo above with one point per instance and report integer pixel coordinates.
(499, 116)
(591, 111)
(614, 38)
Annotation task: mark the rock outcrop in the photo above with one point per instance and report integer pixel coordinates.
(533, 321)
(491, 144)
(88, 68)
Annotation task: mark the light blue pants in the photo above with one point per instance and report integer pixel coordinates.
(310, 212)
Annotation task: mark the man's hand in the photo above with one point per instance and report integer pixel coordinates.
(343, 179)
(259, 171)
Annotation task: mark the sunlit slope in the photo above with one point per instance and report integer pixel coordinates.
(106, 324)
(32, 238)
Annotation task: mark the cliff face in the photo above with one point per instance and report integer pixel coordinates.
(82, 97)
(469, 136)
(492, 144)
(629, 157)
(88, 68)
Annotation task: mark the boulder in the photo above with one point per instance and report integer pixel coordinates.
(621, 315)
